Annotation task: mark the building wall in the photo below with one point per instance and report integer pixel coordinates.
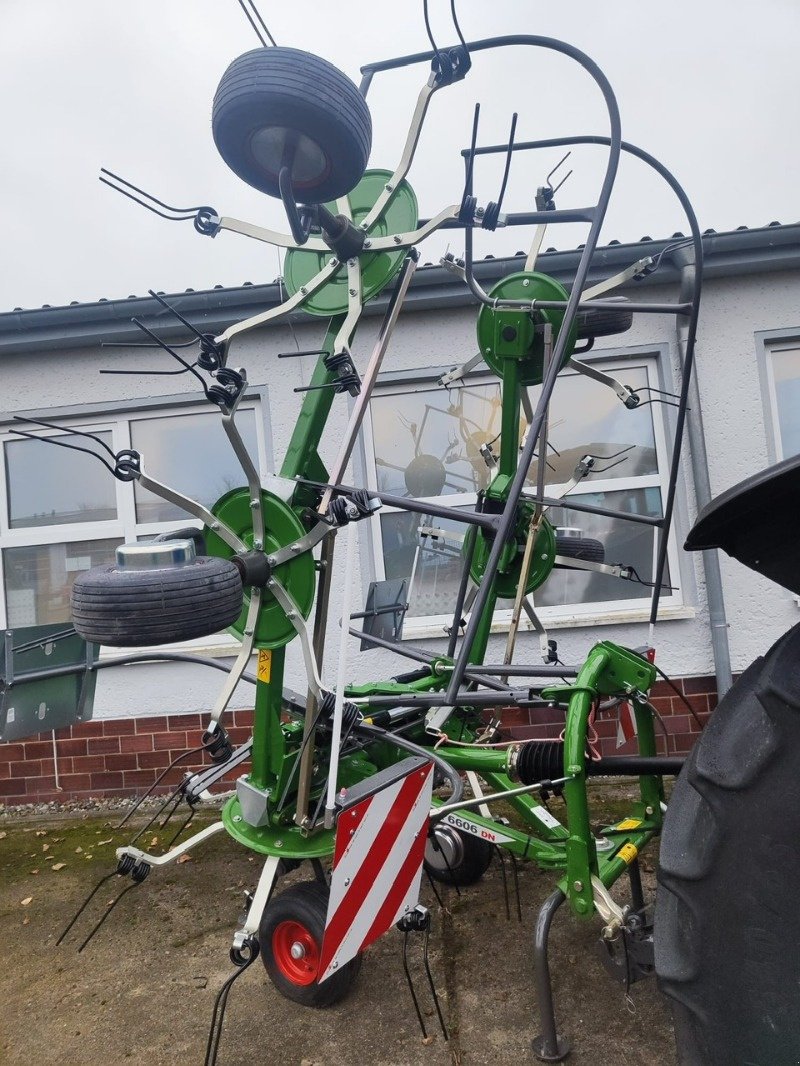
(734, 309)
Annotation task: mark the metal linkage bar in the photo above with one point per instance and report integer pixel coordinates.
(194, 508)
(174, 853)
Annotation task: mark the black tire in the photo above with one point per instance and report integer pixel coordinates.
(580, 548)
(300, 912)
(269, 94)
(603, 322)
(456, 858)
(132, 608)
(727, 920)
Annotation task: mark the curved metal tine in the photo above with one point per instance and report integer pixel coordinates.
(181, 828)
(63, 444)
(170, 797)
(555, 168)
(410, 982)
(435, 890)
(65, 429)
(256, 30)
(509, 154)
(87, 901)
(515, 874)
(185, 213)
(471, 158)
(158, 780)
(434, 45)
(175, 805)
(429, 975)
(218, 1013)
(97, 928)
(144, 344)
(457, 27)
(169, 307)
(501, 858)
(190, 367)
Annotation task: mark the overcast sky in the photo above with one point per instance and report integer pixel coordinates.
(709, 86)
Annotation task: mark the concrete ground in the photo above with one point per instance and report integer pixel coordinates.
(144, 989)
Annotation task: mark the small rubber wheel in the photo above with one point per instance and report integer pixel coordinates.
(456, 858)
(727, 922)
(580, 548)
(603, 322)
(290, 936)
(277, 107)
(132, 608)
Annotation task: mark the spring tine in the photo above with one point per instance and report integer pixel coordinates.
(555, 168)
(85, 904)
(63, 444)
(411, 987)
(183, 826)
(187, 366)
(186, 212)
(260, 19)
(158, 780)
(429, 975)
(66, 429)
(133, 884)
(170, 797)
(178, 315)
(458, 28)
(515, 874)
(176, 804)
(473, 145)
(500, 856)
(432, 883)
(145, 344)
(508, 160)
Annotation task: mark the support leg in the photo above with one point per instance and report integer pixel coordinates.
(549, 1046)
(637, 893)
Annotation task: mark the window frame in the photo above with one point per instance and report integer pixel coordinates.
(117, 417)
(768, 343)
(655, 358)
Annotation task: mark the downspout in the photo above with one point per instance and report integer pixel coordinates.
(702, 486)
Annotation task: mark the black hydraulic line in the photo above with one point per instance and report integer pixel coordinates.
(221, 1002)
(634, 766)
(375, 733)
(526, 671)
(170, 656)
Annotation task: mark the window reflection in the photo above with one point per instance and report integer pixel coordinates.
(192, 454)
(48, 485)
(38, 580)
(786, 373)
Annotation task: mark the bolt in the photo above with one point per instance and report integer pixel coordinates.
(388, 186)
(397, 238)
(578, 886)
(254, 504)
(297, 950)
(352, 291)
(237, 817)
(334, 965)
(258, 545)
(648, 810)
(215, 525)
(526, 283)
(367, 244)
(352, 832)
(248, 632)
(278, 843)
(346, 882)
(333, 261)
(351, 262)
(303, 290)
(487, 351)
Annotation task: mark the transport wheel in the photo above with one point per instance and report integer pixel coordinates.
(123, 607)
(277, 107)
(291, 945)
(573, 547)
(603, 322)
(727, 921)
(456, 858)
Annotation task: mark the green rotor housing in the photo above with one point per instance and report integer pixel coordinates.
(510, 570)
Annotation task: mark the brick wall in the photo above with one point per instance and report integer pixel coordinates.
(123, 757)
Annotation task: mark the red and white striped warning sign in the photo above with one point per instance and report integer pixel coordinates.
(626, 723)
(380, 844)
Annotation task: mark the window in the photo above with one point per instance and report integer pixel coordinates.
(783, 385)
(61, 512)
(425, 442)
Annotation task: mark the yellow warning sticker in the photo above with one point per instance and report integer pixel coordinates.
(264, 665)
(629, 823)
(627, 853)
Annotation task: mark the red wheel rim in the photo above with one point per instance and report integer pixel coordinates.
(296, 953)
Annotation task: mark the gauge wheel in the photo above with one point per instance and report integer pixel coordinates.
(456, 858)
(290, 936)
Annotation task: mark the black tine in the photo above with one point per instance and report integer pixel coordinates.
(186, 212)
(501, 857)
(86, 902)
(508, 161)
(455, 23)
(169, 307)
(63, 444)
(515, 874)
(66, 429)
(256, 30)
(432, 883)
(411, 987)
(183, 826)
(218, 1013)
(429, 975)
(473, 145)
(158, 780)
(99, 925)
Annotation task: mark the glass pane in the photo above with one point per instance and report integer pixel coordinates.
(587, 417)
(48, 485)
(192, 454)
(626, 543)
(786, 369)
(427, 443)
(438, 564)
(38, 579)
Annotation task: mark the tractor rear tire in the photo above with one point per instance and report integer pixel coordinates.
(727, 919)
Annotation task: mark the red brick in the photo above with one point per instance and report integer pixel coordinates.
(143, 742)
(121, 762)
(185, 721)
(5, 770)
(151, 725)
(663, 704)
(75, 782)
(87, 764)
(684, 743)
(134, 778)
(677, 724)
(12, 752)
(72, 747)
(11, 789)
(153, 760)
(65, 766)
(32, 768)
(169, 740)
(88, 729)
(64, 733)
(696, 685)
(102, 745)
(107, 780)
(38, 749)
(515, 716)
(117, 727)
(48, 766)
(239, 735)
